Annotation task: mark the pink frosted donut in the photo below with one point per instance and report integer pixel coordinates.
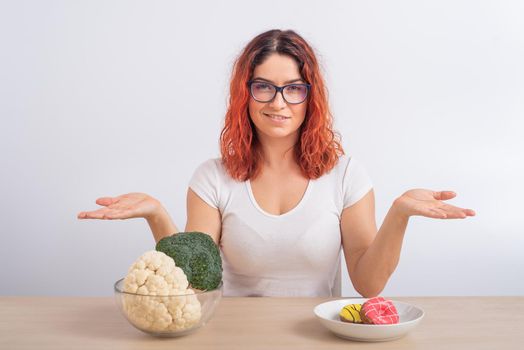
(379, 311)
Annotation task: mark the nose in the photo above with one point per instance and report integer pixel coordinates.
(278, 102)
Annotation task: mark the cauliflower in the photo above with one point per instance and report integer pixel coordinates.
(165, 303)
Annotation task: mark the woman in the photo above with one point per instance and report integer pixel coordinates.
(284, 198)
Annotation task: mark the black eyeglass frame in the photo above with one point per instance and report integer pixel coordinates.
(277, 90)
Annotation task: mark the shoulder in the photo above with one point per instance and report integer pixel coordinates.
(210, 163)
(210, 166)
(213, 170)
(349, 167)
(355, 180)
(206, 181)
(340, 169)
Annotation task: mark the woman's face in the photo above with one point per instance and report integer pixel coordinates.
(277, 119)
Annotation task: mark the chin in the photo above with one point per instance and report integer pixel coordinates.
(276, 133)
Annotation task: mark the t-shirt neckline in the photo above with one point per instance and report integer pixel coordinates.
(287, 213)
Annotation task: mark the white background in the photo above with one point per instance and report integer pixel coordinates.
(107, 97)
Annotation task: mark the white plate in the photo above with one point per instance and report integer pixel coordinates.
(328, 314)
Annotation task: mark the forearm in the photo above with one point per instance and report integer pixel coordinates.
(161, 224)
(379, 261)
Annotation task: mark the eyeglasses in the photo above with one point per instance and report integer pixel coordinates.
(262, 91)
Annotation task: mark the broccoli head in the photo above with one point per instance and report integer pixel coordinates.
(197, 255)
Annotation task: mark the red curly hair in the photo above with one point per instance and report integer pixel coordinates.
(318, 148)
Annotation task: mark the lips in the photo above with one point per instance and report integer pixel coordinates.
(276, 117)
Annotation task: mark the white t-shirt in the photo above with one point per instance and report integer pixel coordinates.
(293, 254)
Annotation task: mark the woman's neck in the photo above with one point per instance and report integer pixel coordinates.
(278, 154)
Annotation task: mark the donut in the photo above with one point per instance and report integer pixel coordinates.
(351, 313)
(379, 311)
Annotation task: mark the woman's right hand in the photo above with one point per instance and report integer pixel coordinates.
(126, 206)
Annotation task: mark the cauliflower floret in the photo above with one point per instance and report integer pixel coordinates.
(155, 273)
(156, 277)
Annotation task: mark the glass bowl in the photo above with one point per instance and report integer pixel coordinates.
(168, 316)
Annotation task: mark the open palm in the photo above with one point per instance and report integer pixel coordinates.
(431, 204)
(130, 205)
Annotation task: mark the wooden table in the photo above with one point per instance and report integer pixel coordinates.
(255, 323)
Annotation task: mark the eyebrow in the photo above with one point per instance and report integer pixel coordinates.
(286, 82)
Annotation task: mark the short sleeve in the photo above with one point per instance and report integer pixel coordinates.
(356, 182)
(205, 184)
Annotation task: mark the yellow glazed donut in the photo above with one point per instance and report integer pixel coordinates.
(351, 313)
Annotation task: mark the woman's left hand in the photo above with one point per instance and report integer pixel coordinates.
(430, 204)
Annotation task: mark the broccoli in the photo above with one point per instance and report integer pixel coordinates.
(197, 255)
